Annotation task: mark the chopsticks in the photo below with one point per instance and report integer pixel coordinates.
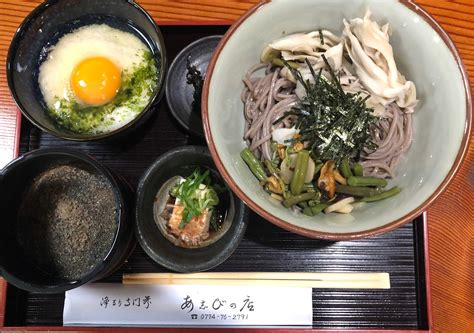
(344, 280)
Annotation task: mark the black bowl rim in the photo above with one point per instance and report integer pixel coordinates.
(160, 258)
(91, 275)
(170, 78)
(157, 94)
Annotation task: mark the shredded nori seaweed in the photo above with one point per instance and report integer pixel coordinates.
(335, 124)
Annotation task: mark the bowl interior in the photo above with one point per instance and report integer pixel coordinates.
(43, 28)
(17, 178)
(179, 93)
(439, 119)
(182, 162)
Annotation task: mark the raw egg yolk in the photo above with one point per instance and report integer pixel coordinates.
(96, 81)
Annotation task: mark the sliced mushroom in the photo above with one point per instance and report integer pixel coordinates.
(308, 43)
(327, 179)
(298, 146)
(276, 197)
(339, 205)
(372, 55)
(273, 185)
(281, 151)
(339, 178)
(268, 54)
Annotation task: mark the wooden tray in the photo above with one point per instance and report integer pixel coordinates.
(402, 253)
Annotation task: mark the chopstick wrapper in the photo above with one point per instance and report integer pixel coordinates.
(111, 304)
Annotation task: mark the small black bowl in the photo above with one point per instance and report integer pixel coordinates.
(179, 93)
(181, 162)
(49, 22)
(16, 178)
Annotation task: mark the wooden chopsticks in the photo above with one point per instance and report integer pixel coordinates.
(286, 279)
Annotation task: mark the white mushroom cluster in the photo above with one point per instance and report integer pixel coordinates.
(371, 70)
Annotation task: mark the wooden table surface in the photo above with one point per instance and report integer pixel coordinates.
(450, 219)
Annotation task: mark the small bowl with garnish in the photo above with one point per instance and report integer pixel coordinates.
(187, 219)
(184, 82)
(87, 70)
(66, 221)
(332, 119)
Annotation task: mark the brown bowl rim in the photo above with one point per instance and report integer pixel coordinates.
(352, 235)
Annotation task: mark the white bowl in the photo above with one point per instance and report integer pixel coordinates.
(423, 52)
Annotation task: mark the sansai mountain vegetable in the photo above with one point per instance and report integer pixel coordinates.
(327, 188)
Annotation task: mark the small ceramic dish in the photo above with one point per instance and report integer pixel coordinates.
(151, 229)
(77, 193)
(179, 93)
(441, 121)
(43, 28)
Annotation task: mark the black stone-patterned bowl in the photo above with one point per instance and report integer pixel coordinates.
(50, 21)
(16, 266)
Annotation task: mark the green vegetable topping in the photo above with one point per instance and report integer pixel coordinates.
(254, 164)
(384, 195)
(357, 191)
(358, 169)
(298, 198)
(196, 194)
(297, 181)
(366, 181)
(345, 168)
(316, 209)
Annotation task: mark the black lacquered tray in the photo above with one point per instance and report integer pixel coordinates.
(265, 247)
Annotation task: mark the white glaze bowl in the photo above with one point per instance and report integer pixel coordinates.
(424, 54)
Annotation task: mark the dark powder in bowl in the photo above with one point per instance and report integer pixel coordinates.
(67, 221)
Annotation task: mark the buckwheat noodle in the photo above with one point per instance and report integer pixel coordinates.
(266, 98)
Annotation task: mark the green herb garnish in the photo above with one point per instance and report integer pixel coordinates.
(137, 87)
(335, 124)
(196, 194)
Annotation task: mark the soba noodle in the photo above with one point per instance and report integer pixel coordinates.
(266, 99)
(268, 95)
(392, 135)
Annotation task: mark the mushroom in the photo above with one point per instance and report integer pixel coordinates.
(339, 178)
(307, 43)
(274, 185)
(327, 179)
(342, 206)
(372, 55)
(268, 54)
(310, 46)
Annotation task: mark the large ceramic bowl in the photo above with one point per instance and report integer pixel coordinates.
(423, 52)
(53, 19)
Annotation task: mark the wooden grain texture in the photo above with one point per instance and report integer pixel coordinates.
(451, 218)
